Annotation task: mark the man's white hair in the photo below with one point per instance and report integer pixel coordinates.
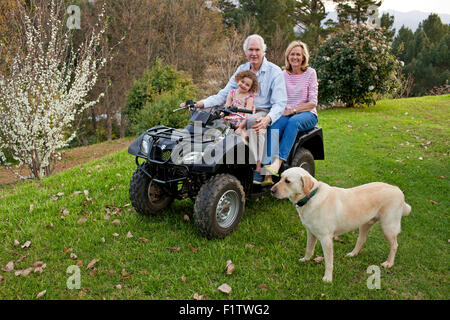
(259, 38)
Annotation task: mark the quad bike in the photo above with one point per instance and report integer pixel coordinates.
(207, 162)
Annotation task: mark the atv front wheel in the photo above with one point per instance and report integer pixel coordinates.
(303, 158)
(147, 196)
(219, 206)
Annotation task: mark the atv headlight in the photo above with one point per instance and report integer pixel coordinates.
(145, 145)
(193, 158)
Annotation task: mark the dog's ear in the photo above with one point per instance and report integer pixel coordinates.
(308, 184)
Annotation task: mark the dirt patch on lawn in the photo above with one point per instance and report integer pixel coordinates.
(73, 157)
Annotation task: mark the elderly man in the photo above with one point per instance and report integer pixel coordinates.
(270, 101)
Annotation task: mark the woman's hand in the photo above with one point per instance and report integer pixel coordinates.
(288, 112)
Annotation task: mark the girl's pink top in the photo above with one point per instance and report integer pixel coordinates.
(301, 88)
(240, 103)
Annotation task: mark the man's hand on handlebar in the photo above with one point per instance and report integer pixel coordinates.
(198, 104)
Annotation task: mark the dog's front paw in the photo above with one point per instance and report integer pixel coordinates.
(387, 264)
(327, 278)
(351, 254)
(304, 259)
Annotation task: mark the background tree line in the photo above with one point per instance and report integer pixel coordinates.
(195, 46)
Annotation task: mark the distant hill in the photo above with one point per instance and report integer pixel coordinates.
(412, 19)
(409, 19)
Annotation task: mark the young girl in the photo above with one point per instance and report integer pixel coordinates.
(242, 98)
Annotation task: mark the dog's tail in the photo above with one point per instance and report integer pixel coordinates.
(406, 209)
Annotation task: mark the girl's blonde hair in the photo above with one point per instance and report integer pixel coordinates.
(248, 74)
(291, 46)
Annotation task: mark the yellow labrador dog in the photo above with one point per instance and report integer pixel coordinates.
(327, 211)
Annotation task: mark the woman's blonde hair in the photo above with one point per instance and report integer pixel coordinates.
(305, 62)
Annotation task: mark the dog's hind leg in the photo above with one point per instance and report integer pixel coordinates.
(361, 238)
(391, 229)
(310, 245)
(327, 248)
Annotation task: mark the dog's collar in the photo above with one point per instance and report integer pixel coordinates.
(305, 200)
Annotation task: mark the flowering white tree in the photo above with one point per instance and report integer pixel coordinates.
(47, 86)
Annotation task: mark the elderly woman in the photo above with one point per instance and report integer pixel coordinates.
(300, 113)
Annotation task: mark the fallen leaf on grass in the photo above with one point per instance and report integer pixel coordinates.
(183, 278)
(186, 218)
(230, 267)
(9, 267)
(31, 207)
(26, 244)
(318, 259)
(129, 234)
(432, 202)
(40, 294)
(16, 242)
(91, 264)
(80, 263)
(24, 273)
(338, 239)
(82, 220)
(173, 249)
(194, 250)
(22, 257)
(115, 234)
(198, 296)
(116, 222)
(249, 246)
(39, 266)
(262, 286)
(119, 286)
(73, 256)
(225, 288)
(64, 211)
(143, 240)
(93, 272)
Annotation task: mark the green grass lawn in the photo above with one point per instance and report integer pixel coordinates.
(403, 142)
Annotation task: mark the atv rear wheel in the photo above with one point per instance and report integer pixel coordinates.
(303, 158)
(147, 196)
(219, 206)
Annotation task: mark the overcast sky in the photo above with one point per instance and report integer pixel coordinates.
(434, 6)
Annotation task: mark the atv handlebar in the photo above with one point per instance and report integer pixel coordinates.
(189, 104)
(236, 109)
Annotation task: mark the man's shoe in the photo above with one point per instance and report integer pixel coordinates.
(257, 178)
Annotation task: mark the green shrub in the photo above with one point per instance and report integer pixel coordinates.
(158, 80)
(159, 111)
(355, 66)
